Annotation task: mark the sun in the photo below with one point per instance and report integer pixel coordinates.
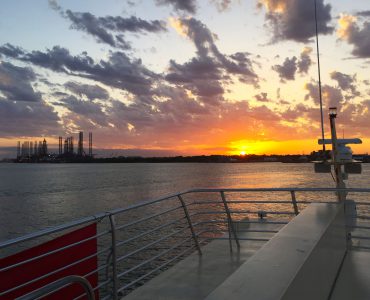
(242, 153)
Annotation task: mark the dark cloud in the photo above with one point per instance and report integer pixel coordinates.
(27, 119)
(15, 83)
(237, 64)
(305, 61)
(287, 70)
(291, 66)
(10, 50)
(180, 5)
(54, 5)
(108, 29)
(206, 73)
(278, 93)
(331, 96)
(118, 70)
(90, 24)
(295, 19)
(222, 5)
(345, 82)
(284, 102)
(90, 91)
(364, 13)
(102, 28)
(87, 109)
(262, 97)
(350, 31)
(200, 75)
(298, 111)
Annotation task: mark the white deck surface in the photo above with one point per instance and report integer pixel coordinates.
(196, 277)
(354, 278)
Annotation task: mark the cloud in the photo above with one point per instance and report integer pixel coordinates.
(90, 91)
(287, 70)
(262, 97)
(203, 39)
(54, 5)
(364, 13)
(200, 75)
(345, 82)
(180, 5)
(119, 70)
(108, 29)
(207, 72)
(350, 31)
(87, 110)
(90, 24)
(290, 66)
(177, 121)
(305, 60)
(27, 119)
(15, 83)
(295, 19)
(102, 28)
(331, 96)
(222, 5)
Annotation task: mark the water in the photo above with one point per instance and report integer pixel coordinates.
(36, 196)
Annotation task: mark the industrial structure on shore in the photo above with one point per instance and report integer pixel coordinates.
(38, 151)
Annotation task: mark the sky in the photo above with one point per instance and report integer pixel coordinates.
(175, 77)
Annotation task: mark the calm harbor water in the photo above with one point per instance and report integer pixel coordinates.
(36, 196)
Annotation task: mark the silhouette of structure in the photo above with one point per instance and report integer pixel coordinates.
(80, 149)
(37, 151)
(60, 145)
(30, 151)
(68, 146)
(90, 144)
(18, 149)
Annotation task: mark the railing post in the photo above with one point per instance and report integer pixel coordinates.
(230, 221)
(114, 256)
(190, 224)
(294, 202)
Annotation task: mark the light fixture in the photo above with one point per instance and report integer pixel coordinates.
(332, 112)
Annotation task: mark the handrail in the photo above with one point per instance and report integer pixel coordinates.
(196, 215)
(230, 223)
(100, 216)
(51, 230)
(186, 212)
(206, 190)
(58, 284)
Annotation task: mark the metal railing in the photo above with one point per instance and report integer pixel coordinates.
(59, 284)
(137, 242)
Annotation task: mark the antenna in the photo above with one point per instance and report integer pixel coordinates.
(319, 73)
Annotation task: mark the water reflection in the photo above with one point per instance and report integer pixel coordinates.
(36, 196)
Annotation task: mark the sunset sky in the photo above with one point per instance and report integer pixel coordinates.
(170, 77)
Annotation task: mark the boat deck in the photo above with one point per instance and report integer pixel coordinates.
(354, 277)
(301, 248)
(196, 276)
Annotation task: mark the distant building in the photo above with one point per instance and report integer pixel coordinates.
(270, 159)
(29, 150)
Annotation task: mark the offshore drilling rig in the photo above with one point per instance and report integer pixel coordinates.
(68, 149)
(38, 151)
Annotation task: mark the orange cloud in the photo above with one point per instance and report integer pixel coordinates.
(346, 24)
(274, 6)
(179, 26)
